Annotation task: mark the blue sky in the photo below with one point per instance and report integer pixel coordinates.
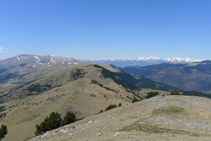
(106, 28)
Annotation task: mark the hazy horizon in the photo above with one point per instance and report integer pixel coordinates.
(119, 58)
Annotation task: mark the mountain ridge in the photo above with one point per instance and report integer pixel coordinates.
(21, 69)
(119, 77)
(189, 77)
(142, 61)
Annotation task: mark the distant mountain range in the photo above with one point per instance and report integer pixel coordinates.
(189, 76)
(25, 68)
(142, 61)
(35, 61)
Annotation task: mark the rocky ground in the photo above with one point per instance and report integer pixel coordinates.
(159, 118)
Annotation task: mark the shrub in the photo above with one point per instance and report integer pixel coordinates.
(69, 118)
(135, 100)
(52, 122)
(151, 94)
(3, 131)
(39, 88)
(111, 107)
(101, 111)
(120, 104)
(175, 93)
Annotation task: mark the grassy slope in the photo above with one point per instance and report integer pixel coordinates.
(170, 118)
(85, 89)
(79, 95)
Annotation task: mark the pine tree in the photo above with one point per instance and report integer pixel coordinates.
(52, 122)
(69, 118)
(3, 131)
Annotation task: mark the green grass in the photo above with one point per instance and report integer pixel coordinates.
(146, 127)
(172, 110)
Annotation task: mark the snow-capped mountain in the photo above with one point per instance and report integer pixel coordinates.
(143, 61)
(36, 61)
(25, 68)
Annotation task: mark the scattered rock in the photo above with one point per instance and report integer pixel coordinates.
(116, 134)
(90, 121)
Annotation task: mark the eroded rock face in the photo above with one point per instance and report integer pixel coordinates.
(187, 119)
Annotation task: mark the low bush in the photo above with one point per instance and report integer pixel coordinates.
(111, 107)
(175, 93)
(101, 111)
(151, 94)
(135, 100)
(3, 131)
